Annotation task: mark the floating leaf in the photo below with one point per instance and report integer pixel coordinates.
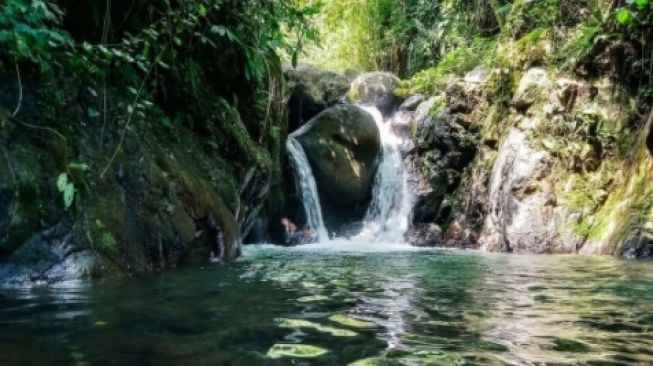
(62, 181)
(68, 195)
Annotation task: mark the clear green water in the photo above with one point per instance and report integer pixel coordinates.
(318, 306)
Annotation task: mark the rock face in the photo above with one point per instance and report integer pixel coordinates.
(312, 90)
(150, 211)
(343, 146)
(443, 145)
(547, 176)
(376, 89)
(522, 215)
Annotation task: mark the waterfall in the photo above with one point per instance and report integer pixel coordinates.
(307, 187)
(389, 212)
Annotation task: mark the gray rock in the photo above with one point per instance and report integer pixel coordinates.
(477, 76)
(411, 103)
(523, 215)
(532, 87)
(375, 89)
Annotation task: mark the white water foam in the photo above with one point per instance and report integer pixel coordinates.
(388, 216)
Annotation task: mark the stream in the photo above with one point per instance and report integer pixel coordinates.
(342, 303)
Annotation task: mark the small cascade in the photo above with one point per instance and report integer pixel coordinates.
(307, 186)
(389, 212)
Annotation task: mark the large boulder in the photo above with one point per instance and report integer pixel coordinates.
(343, 146)
(312, 90)
(375, 89)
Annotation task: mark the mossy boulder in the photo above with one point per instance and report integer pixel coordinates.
(312, 90)
(376, 89)
(343, 145)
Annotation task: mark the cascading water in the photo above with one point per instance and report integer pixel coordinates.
(307, 187)
(388, 215)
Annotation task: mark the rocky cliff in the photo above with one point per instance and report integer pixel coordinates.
(560, 165)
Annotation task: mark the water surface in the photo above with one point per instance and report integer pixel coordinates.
(335, 305)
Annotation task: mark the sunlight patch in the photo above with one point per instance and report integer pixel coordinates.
(351, 322)
(313, 298)
(295, 350)
(301, 323)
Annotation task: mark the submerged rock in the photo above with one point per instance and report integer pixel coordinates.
(376, 89)
(343, 146)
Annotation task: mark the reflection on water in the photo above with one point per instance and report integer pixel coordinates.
(363, 306)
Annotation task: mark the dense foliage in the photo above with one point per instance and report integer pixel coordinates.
(451, 36)
(178, 56)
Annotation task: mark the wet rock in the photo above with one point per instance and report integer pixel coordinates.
(639, 244)
(343, 146)
(411, 103)
(425, 235)
(312, 90)
(375, 89)
(146, 213)
(443, 145)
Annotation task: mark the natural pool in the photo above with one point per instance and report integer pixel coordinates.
(343, 303)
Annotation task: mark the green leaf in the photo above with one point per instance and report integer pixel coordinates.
(201, 9)
(641, 3)
(624, 16)
(82, 167)
(68, 195)
(62, 181)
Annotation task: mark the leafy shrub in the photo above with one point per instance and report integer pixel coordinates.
(29, 32)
